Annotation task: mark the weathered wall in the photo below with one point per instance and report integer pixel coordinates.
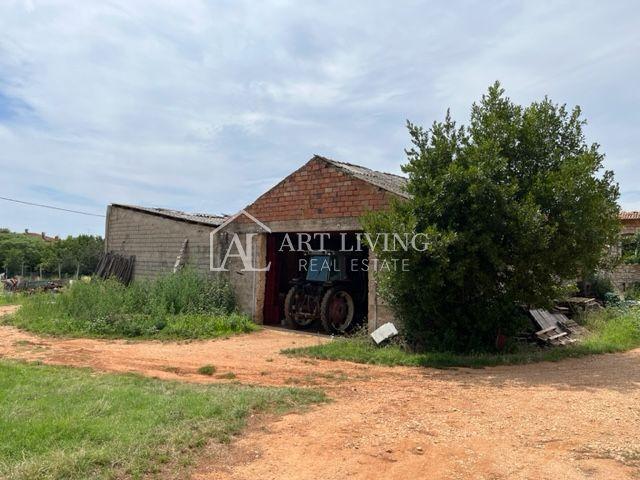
(625, 276)
(379, 312)
(248, 286)
(155, 241)
(630, 226)
(316, 198)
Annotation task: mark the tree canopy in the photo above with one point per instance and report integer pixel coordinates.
(70, 256)
(514, 204)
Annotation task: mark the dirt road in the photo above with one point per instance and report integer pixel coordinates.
(572, 419)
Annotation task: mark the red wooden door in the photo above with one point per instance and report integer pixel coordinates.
(272, 314)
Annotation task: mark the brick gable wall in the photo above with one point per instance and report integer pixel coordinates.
(319, 190)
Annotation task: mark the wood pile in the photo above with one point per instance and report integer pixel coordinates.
(120, 267)
(555, 328)
(577, 305)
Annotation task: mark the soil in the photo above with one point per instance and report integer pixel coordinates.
(579, 418)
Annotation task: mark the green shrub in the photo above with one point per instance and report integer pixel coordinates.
(181, 305)
(599, 285)
(505, 210)
(633, 293)
(207, 370)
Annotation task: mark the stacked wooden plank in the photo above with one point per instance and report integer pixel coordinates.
(555, 328)
(113, 265)
(579, 305)
(180, 259)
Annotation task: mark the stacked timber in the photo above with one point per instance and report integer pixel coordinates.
(113, 265)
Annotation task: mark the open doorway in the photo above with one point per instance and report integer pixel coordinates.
(303, 274)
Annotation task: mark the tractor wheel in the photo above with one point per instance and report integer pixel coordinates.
(337, 310)
(289, 320)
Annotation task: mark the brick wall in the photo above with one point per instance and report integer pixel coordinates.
(155, 241)
(316, 191)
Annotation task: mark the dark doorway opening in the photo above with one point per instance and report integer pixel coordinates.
(287, 257)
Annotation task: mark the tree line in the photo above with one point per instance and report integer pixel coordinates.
(23, 254)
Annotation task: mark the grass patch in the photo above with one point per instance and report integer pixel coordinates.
(7, 298)
(177, 306)
(61, 423)
(227, 376)
(207, 370)
(613, 330)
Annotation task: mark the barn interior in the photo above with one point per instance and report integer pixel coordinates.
(290, 255)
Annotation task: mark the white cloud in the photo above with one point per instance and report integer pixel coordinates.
(197, 105)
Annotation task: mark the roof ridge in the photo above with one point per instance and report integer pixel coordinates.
(390, 182)
(202, 218)
(338, 162)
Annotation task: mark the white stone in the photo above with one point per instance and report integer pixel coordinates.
(384, 332)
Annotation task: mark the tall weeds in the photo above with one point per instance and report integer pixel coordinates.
(180, 305)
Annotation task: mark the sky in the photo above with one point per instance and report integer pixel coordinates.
(202, 106)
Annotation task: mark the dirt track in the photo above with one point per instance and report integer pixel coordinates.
(569, 420)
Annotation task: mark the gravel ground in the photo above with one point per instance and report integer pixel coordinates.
(579, 418)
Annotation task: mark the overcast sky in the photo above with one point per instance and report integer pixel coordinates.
(202, 106)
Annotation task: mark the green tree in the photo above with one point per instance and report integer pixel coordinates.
(73, 255)
(513, 205)
(13, 261)
(82, 253)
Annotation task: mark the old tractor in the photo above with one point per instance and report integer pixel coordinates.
(328, 293)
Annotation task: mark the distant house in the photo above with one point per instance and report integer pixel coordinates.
(627, 275)
(41, 235)
(630, 222)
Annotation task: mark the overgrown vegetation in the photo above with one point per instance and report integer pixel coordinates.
(9, 298)
(612, 330)
(176, 306)
(510, 206)
(24, 254)
(599, 285)
(62, 423)
(630, 248)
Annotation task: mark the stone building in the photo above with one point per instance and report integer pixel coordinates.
(323, 196)
(627, 275)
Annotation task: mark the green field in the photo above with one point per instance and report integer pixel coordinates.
(66, 423)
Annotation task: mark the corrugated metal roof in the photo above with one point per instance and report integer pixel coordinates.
(387, 181)
(201, 218)
(630, 215)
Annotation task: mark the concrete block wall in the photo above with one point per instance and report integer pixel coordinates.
(155, 241)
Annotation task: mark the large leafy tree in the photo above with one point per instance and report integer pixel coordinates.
(514, 204)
